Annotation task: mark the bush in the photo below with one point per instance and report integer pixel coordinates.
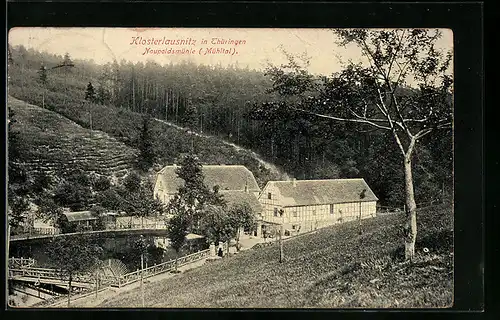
(101, 183)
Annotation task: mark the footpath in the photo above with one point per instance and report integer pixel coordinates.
(93, 300)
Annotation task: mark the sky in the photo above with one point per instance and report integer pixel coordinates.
(255, 48)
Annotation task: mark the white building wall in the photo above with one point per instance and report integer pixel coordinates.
(307, 218)
(270, 200)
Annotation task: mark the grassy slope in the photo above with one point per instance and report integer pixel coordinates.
(52, 142)
(322, 270)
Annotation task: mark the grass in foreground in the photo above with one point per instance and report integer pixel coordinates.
(333, 268)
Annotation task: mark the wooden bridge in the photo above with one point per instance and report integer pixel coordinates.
(49, 276)
(157, 228)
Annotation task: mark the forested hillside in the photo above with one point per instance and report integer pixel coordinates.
(221, 101)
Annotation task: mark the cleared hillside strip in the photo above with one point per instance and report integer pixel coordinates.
(53, 143)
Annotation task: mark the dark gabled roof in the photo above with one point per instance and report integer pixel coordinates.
(227, 177)
(316, 192)
(79, 216)
(239, 197)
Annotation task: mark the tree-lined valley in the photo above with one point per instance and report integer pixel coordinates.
(128, 163)
(221, 102)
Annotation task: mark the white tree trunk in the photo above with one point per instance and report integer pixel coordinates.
(411, 211)
(69, 290)
(176, 259)
(238, 240)
(282, 256)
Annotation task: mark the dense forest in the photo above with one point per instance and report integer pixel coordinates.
(226, 102)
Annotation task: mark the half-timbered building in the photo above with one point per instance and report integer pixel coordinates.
(305, 205)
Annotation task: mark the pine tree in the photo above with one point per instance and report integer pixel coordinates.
(190, 116)
(194, 191)
(104, 95)
(67, 60)
(42, 78)
(146, 148)
(42, 75)
(90, 94)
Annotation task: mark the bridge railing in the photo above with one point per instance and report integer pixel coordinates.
(159, 268)
(137, 225)
(160, 225)
(45, 230)
(16, 263)
(45, 273)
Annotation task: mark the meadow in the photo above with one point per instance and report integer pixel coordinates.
(335, 267)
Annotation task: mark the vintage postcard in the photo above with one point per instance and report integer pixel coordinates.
(230, 168)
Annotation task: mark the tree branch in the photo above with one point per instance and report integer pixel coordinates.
(369, 122)
(395, 55)
(365, 118)
(385, 111)
(402, 70)
(424, 132)
(373, 58)
(398, 141)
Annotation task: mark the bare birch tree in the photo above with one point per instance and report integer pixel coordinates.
(403, 86)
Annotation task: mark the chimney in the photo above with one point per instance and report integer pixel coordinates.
(294, 181)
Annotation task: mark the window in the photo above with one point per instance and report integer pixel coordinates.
(293, 227)
(295, 213)
(331, 209)
(314, 212)
(275, 212)
(269, 195)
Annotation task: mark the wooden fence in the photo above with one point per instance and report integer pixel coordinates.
(17, 263)
(159, 268)
(45, 230)
(45, 273)
(137, 226)
(381, 210)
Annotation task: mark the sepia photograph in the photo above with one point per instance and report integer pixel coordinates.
(230, 168)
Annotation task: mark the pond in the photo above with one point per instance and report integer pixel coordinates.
(127, 249)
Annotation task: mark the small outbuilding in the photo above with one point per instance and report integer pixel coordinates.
(80, 219)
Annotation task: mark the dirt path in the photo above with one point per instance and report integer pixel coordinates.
(91, 301)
